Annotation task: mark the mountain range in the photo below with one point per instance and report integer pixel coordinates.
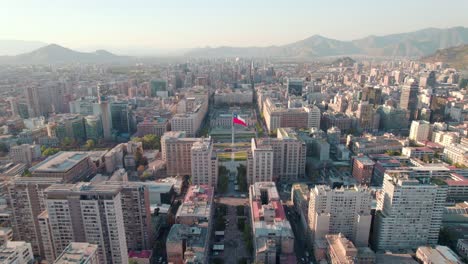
(412, 44)
(456, 57)
(55, 54)
(419, 43)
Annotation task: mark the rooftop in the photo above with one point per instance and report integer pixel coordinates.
(144, 254)
(60, 162)
(76, 253)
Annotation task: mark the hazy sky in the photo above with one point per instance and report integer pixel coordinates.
(174, 24)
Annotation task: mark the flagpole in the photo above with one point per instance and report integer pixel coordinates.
(232, 138)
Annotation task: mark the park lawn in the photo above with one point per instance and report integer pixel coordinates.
(225, 156)
(229, 145)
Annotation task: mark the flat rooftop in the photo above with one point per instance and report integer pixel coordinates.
(76, 253)
(60, 162)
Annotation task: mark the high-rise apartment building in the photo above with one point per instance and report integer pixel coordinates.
(313, 116)
(204, 163)
(419, 130)
(366, 116)
(343, 210)
(104, 111)
(409, 212)
(92, 213)
(32, 98)
(259, 163)
(26, 196)
(409, 99)
(46, 237)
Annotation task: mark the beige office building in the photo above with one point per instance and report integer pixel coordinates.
(343, 210)
(259, 163)
(289, 154)
(176, 152)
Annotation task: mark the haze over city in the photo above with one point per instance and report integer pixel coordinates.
(234, 132)
(146, 27)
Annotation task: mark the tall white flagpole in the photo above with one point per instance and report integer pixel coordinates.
(232, 144)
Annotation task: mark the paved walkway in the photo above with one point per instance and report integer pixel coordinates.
(234, 248)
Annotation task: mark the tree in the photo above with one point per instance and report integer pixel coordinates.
(50, 151)
(27, 173)
(242, 178)
(3, 148)
(223, 182)
(459, 165)
(90, 144)
(67, 142)
(146, 175)
(141, 169)
(392, 153)
(149, 141)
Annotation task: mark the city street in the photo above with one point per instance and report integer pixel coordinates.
(300, 245)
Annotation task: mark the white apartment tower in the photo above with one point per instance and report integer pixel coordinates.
(204, 163)
(259, 163)
(90, 213)
(313, 116)
(419, 130)
(409, 212)
(343, 210)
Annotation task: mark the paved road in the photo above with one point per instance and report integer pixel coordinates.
(300, 246)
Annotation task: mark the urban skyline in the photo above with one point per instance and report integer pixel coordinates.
(340, 150)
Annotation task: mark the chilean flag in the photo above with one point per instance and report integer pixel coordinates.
(236, 119)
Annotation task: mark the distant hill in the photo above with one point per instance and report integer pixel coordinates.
(456, 57)
(345, 61)
(55, 54)
(412, 44)
(14, 47)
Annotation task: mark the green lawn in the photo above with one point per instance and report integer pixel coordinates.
(225, 156)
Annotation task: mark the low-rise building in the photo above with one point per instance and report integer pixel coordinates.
(363, 168)
(439, 254)
(16, 252)
(79, 253)
(462, 247)
(69, 166)
(272, 233)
